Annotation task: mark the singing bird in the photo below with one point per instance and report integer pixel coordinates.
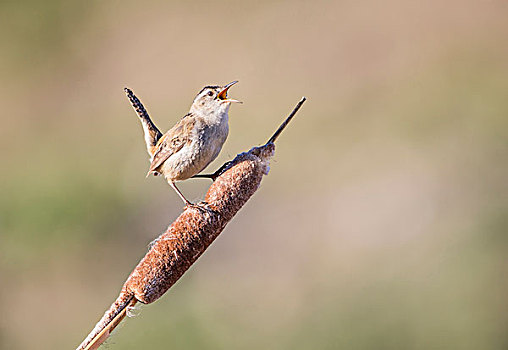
(194, 142)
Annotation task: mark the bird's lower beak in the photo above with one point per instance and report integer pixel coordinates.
(223, 95)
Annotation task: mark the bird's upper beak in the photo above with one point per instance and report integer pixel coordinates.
(223, 95)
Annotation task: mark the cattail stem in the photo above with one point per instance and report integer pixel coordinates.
(188, 236)
(286, 122)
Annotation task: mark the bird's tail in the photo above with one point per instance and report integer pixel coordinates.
(152, 134)
(109, 321)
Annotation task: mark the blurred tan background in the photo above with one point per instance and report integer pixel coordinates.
(382, 224)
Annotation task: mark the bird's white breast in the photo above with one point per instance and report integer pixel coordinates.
(209, 135)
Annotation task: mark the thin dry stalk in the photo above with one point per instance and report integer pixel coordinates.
(189, 235)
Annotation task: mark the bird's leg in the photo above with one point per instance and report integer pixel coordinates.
(188, 204)
(205, 176)
(172, 184)
(215, 174)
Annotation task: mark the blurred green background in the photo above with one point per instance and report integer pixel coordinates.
(382, 224)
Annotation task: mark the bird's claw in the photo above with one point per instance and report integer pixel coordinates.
(198, 206)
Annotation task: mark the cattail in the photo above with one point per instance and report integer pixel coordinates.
(174, 251)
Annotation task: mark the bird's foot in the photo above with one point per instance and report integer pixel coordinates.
(202, 206)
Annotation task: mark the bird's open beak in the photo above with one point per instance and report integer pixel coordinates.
(223, 95)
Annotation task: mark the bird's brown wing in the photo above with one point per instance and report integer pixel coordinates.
(172, 141)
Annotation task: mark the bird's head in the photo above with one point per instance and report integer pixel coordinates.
(213, 99)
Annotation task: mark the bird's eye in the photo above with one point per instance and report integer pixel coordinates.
(210, 93)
